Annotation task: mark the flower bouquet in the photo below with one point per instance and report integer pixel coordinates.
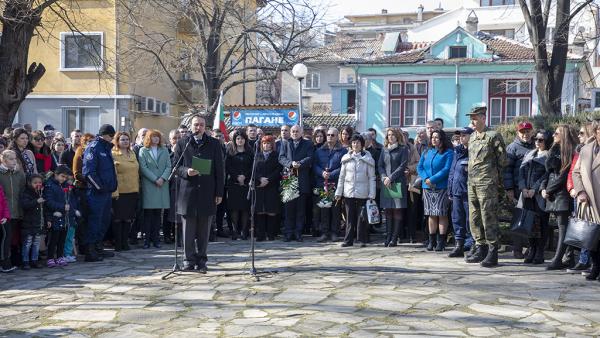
(289, 186)
(326, 195)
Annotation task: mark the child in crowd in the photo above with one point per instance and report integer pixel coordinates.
(60, 210)
(69, 253)
(12, 182)
(32, 227)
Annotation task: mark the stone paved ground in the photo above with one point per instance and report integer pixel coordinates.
(320, 290)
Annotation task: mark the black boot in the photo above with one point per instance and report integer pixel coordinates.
(101, 252)
(125, 228)
(116, 231)
(540, 246)
(388, 231)
(431, 243)
(458, 250)
(441, 242)
(479, 255)
(471, 251)
(396, 232)
(91, 254)
(595, 269)
(557, 263)
(491, 259)
(531, 252)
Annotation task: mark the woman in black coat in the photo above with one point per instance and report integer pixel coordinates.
(532, 174)
(238, 169)
(268, 203)
(554, 188)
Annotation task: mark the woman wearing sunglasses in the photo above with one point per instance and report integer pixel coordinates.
(531, 175)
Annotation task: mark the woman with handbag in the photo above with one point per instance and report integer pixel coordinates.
(532, 173)
(586, 186)
(392, 166)
(554, 188)
(434, 169)
(356, 184)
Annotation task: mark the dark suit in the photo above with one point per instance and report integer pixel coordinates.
(295, 210)
(196, 198)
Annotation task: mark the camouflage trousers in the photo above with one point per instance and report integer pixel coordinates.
(483, 214)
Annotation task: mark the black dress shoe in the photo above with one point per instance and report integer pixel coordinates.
(201, 269)
(287, 239)
(346, 244)
(187, 267)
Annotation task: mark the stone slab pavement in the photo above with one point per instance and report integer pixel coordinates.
(319, 290)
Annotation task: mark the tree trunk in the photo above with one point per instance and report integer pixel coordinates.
(18, 80)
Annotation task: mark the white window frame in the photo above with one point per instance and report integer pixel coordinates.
(63, 68)
(65, 112)
(466, 48)
(399, 115)
(595, 93)
(415, 86)
(491, 110)
(312, 76)
(415, 118)
(517, 84)
(518, 100)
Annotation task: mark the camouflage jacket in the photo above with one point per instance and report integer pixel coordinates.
(487, 158)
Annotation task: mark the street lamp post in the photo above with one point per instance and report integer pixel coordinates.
(299, 71)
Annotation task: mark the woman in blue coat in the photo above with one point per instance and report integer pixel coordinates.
(155, 167)
(434, 168)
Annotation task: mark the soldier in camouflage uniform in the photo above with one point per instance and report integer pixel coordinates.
(487, 157)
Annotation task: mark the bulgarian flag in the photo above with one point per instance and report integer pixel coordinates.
(219, 121)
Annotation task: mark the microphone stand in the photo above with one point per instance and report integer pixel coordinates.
(176, 268)
(252, 198)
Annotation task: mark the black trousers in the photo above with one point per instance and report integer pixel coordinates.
(295, 216)
(56, 243)
(152, 220)
(330, 219)
(6, 230)
(354, 224)
(196, 231)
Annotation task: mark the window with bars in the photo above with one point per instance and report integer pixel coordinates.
(408, 103)
(508, 99)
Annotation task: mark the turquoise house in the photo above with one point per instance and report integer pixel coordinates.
(446, 78)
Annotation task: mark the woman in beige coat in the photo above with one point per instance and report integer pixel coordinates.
(586, 182)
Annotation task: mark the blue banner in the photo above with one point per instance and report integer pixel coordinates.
(264, 117)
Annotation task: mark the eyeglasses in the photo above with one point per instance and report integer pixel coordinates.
(540, 140)
(332, 135)
(39, 139)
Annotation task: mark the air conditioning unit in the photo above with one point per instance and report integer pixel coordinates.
(150, 104)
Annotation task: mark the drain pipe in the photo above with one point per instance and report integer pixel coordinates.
(457, 99)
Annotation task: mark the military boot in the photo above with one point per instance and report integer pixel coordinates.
(491, 259)
(479, 255)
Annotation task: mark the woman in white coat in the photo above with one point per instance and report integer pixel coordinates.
(356, 184)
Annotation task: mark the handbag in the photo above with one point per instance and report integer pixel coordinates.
(372, 211)
(522, 222)
(582, 232)
(394, 191)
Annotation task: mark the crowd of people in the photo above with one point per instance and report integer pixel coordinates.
(60, 197)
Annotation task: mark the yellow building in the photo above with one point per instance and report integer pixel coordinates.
(92, 77)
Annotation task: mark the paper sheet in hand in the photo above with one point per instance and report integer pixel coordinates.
(201, 165)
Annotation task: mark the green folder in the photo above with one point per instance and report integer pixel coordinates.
(201, 165)
(394, 191)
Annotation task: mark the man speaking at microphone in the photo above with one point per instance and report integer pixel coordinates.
(199, 192)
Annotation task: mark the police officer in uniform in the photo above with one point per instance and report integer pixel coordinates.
(487, 158)
(99, 172)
